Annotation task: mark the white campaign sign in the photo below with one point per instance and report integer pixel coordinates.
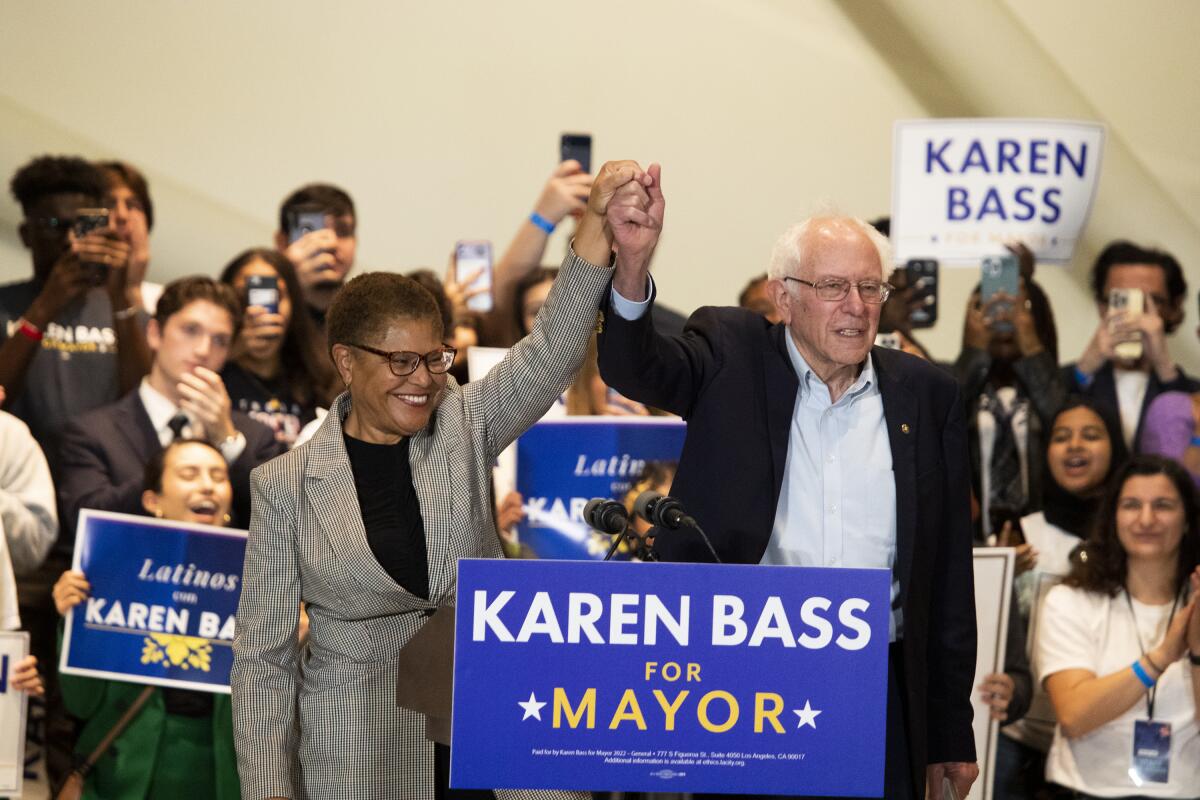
(13, 647)
(961, 188)
(993, 591)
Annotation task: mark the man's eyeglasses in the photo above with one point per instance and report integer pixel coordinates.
(837, 289)
(404, 362)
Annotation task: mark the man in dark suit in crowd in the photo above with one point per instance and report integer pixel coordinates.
(1129, 385)
(845, 455)
(104, 453)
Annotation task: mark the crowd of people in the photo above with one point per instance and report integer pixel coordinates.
(305, 413)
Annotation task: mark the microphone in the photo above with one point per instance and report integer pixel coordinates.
(662, 511)
(667, 513)
(606, 515)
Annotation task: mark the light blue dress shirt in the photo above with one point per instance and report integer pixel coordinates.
(837, 504)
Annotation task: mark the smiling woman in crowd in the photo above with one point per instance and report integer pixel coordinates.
(1119, 643)
(180, 744)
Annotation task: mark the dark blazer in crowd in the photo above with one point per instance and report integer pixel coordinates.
(1040, 382)
(104, 455)
(730, 377)
(1103, 388)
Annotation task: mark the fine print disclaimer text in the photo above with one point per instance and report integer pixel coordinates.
(670, 758)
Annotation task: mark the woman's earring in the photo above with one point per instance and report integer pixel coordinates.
(227, 519)
(158, 513)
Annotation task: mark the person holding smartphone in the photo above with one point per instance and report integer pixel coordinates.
(1122, 272)
(79, 283)
(276, 373)
(1008, 371)
(318, 232)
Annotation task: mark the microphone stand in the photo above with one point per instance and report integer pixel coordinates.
(617, 539)
(691, 523)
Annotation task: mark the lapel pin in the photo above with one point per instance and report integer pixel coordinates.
(904, 427)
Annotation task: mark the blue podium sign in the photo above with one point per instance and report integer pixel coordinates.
(670, 677)
(163, 601)
(561, 464)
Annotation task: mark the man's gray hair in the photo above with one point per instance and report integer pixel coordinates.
(789, 251)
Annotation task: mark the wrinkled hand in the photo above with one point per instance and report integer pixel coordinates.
(997, 692)
(313, 256)
(202, 396)
(635, 215)
(565, 193)
(25, 677)
(71, 589)
(961, 775)
(594, 236)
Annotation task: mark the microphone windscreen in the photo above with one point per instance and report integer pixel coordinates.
(642, 506)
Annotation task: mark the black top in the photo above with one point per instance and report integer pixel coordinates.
(391, 513)
(268, 400)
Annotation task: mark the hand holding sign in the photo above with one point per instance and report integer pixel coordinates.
(71, 589)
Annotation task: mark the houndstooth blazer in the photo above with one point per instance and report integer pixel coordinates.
(331, 729)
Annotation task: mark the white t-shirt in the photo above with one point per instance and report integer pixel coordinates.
(1131, 393)
(1086, 630)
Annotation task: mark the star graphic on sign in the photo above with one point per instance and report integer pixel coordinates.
(533, 708)
(807, 715)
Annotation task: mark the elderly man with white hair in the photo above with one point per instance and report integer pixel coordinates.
(845, 455)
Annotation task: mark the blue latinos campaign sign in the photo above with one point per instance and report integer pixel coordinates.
(670, 677)
(163, 600)
(561, 464)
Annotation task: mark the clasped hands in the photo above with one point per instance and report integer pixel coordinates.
(624, 214)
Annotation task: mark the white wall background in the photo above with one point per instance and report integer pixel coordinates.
(442, 119)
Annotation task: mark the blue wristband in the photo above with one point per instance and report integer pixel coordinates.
(1082, 378)
(1142, 675)
(542, 222)
(1196, 441)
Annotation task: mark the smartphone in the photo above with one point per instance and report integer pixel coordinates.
(469, 257)
(86, 221)
(922, 276)
(576, 146)
(263, 291)
(1000, 274)
(1132, 302)
(305, 221)
(888, 340)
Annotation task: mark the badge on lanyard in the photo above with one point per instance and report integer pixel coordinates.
(1151, 752)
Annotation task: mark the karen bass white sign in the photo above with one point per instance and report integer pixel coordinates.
(961, 188)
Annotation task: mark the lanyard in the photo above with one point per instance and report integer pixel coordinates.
(1153, 690)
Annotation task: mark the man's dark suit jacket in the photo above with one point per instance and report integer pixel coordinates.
(104, 455)
(1103, 389)
(730, 377)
